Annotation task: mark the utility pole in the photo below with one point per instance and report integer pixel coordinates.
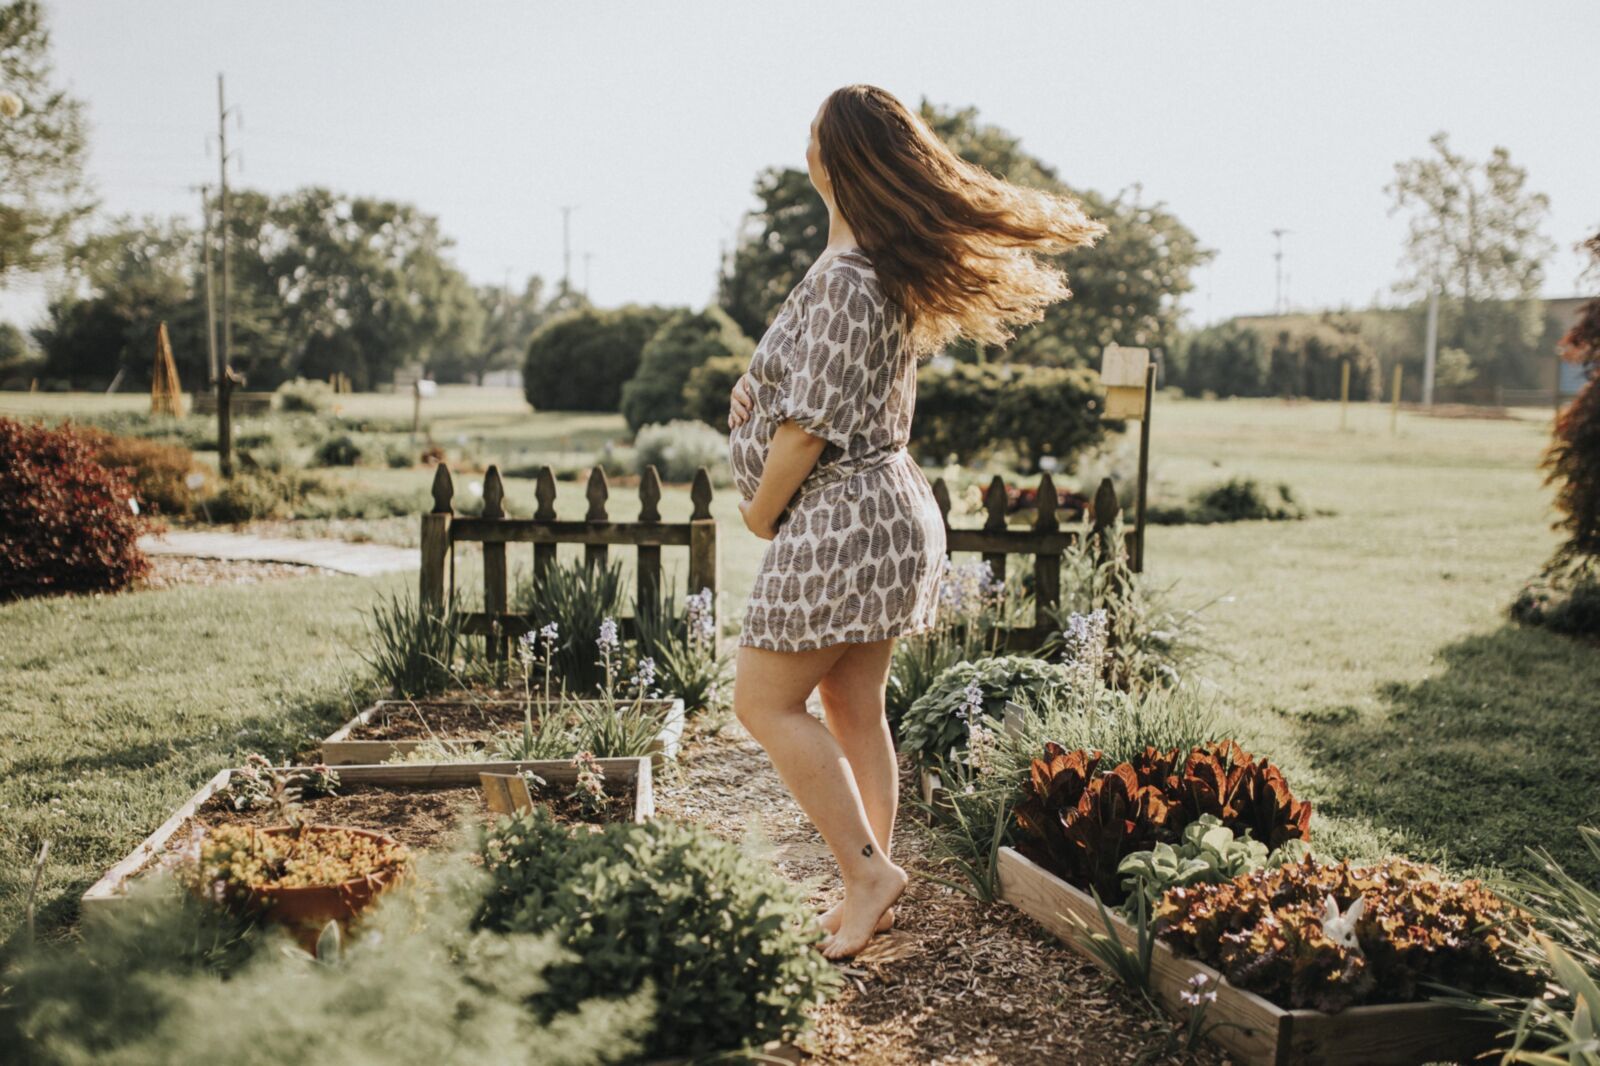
(1279, 304)
(211, 304)
(1431, 354)
(586, 257)
(566, 248)
(226, 379)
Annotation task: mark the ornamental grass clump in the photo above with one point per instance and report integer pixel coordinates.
(1080, 819)
(723, 940)
(1332, 936)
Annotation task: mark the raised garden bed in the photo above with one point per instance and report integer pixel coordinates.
(415, 803)
(1253, 1029)
(396, 727)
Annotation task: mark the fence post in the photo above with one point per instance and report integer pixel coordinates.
(544, 555)
(994, 501)
(941, 496)
(1105, 549)
(597, 492)
(436, 542)
(1046, 565)
(648, 596)
(703, 562)
(494, 567)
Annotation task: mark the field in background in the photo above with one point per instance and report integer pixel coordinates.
(1365, 650)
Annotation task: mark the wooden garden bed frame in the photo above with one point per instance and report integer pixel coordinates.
(1256, 1031)
(340, 749)
(110, 889)
(443, 529)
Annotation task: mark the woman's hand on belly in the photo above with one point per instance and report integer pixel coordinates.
(740, 401)
(755, 523)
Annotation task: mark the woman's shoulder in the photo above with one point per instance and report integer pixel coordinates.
(843, 276)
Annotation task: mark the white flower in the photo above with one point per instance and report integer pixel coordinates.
(608, 639)
(1196, 994)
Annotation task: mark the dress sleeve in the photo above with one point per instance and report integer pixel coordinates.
(825, 365)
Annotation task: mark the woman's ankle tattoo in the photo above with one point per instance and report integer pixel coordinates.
(867, 851)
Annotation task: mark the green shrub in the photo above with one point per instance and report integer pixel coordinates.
(1240, 499)
(303, 396)
(690, 662)
(683, 343)
(339, 450)
(705, 392)
(718, 935)
(1224, 360)
(678, 449)
(169, 979)
(972, 411)
(413, 647)
(578, 361)
(261, 493)
(938, 721)
(577, 597)
(1306, 362)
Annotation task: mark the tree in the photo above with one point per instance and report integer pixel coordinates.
(1126, 288)
(509, 320)
(1474, 232)
(684, 342)
(1226, 360)
(579, 360)
(43, 194)
(705, 393)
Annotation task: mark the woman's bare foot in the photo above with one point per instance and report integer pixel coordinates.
(864, 904)
(830, 918)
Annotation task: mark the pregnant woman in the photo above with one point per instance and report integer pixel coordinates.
(923, 249)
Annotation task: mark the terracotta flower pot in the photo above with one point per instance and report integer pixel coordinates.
(306, 910)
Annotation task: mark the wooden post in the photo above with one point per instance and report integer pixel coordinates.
(598, 492)
(1104, 516)
(1144, 468)
(1344, 393)
(941, 496)
(703, 561)
(1394, 402)
(494, 566)
(1046, 565)
(436, 542)
(994, 502)
(648, 596)
(544, 491)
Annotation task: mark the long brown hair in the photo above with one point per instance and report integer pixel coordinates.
(952, 244)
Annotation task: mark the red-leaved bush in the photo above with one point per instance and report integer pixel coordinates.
(65, 521)
(1573, 459)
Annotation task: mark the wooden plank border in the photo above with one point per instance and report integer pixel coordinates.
(339, 749)
(109, 890)
(1259, 1032)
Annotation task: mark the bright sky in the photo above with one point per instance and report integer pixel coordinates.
(652, 119)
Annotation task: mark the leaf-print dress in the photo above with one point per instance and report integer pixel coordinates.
(860, 549)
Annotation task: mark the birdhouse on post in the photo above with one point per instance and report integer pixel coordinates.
(1123, 372)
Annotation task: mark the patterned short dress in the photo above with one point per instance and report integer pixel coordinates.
(859, 552)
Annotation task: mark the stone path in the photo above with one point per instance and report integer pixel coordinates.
(363, 560)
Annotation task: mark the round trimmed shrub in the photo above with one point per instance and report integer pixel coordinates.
(66, 522)
(579, 360)
(705, 393)
(932, 728)
(678, 449)
(339, 450)
(718, 935)
(160, 473)
(685, 342)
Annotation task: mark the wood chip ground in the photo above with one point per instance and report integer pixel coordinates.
(956, 981)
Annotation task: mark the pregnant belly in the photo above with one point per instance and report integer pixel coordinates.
(747, 454)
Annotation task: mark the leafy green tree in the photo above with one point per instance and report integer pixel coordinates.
(1475, 232)
(684, 342)
(579, 360)
(971, 411)
(1226, 360)
(19, 361)
(1308, 362)
(510, 319)
(1126, 288)
(705, 393)
(43, 194)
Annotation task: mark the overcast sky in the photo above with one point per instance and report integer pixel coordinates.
(654, 118)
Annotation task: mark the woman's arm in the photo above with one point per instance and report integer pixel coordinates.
(790, 456)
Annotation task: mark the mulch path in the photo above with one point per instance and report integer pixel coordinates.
(180, 571)
(955, 981)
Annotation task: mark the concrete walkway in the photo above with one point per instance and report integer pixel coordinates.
(364, 560)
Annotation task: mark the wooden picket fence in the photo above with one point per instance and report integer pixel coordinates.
(443, 529)
(1045, 541)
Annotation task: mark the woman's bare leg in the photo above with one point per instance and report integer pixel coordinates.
(769, 696)
(852, 698)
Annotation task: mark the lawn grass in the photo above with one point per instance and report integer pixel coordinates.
(1365, 650)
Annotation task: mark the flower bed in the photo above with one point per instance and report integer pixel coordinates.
(391, 728)
(417, 804)
(1252, 1028)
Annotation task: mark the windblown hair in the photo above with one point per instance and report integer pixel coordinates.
(953, 245)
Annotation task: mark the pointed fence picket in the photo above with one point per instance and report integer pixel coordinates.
(1045, 540)
(443, 529)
